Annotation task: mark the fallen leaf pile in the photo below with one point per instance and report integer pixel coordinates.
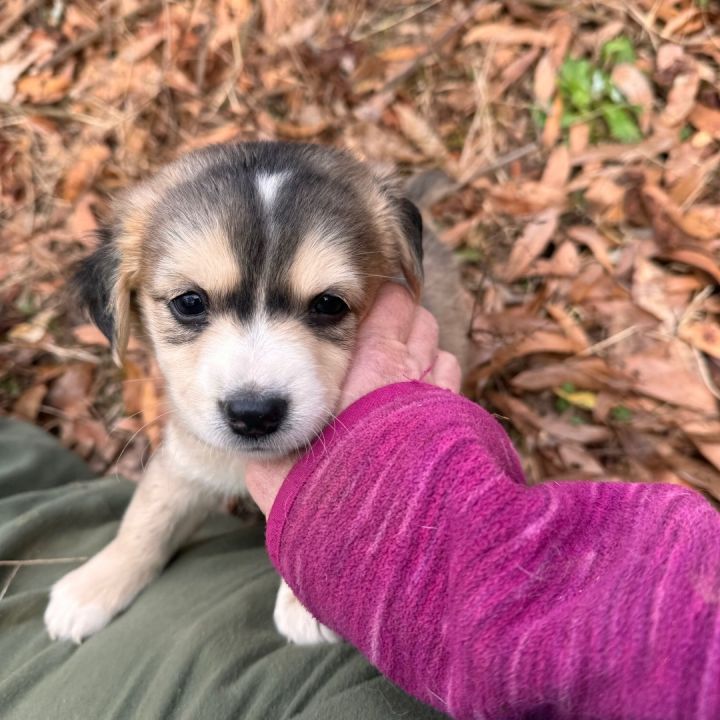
(581, 146)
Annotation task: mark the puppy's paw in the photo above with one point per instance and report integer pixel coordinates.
(73, 613)
(296, 623)
(87, 599)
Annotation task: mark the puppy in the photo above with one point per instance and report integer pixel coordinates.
(249, 267)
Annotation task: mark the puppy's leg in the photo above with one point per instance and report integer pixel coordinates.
(163, 513)
(296, 623)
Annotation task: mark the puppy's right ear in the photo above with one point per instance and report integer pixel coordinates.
(106, 294)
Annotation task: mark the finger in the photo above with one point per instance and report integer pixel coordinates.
(391, 315)
(422, 344)
(446, 373)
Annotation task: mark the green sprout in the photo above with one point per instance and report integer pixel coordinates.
(621, 414)
(589, 95)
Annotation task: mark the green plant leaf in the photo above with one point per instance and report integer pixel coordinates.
(575, 83)
(621, 123)
(621, 414)
(618, 50)
(539, 117)
(469, 255)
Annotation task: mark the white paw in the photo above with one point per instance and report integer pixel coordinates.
(69, 615)
(296, 623)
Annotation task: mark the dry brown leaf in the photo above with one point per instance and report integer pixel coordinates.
(605, 193)
(507, 34)
(513, 72)
(419, 132)
(702, 221)
(45, 87)
(570, 326)
(82, 222)
(225, 133)
(455, 236)
(697, 474)
(533, 241)
(705, 435)
(705, 336)
(90, 335)
(565, 262)
(691, 184)
(587, 373)
(525, 199)
(697, 258)
(70, 392)
(401, 53)
(541, 341)
(649, 292)
(545, 80)
(378, 144)
(33, 331)
(27, 406)
(635, 86)
(706, 119)
(547, 424)
(579, 137)
(595, 241)
(141, 47)
(576, 458)
(553, 123)
(557, 168)
(673, 379)
(681, 99)
(83, 170)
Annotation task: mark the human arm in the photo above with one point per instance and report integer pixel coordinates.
(409, 530)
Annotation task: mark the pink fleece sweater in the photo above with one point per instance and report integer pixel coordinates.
(409, 529)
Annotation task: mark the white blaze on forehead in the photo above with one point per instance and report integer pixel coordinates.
(268, 185)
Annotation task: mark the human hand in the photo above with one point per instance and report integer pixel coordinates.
(397, 341)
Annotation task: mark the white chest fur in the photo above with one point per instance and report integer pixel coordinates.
(216, 470)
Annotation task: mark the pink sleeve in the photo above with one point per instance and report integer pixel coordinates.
(408, 529)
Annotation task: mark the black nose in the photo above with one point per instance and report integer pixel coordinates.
(253, 416)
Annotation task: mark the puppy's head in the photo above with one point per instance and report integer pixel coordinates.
(249, 267)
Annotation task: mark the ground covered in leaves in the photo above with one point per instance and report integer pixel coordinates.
(582, 139)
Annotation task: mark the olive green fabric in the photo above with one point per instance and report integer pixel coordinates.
(198, 643)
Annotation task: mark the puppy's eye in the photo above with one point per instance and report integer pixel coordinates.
(328, 307)
(189, 306)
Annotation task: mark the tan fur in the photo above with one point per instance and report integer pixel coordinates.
(205, 260)
(316, 261)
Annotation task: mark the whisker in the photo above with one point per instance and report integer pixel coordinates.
(138, 431)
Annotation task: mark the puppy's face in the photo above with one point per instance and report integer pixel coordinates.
(251, 267)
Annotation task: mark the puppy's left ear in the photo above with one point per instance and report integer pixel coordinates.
(410, 244)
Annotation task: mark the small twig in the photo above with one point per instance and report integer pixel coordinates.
(496, 164)
(705, 374)
(607, 342)
(91, 37)
(388, 25)
(502, 161)
(42, 561)
(6, 584)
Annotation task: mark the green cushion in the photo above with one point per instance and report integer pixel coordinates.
(198, 643)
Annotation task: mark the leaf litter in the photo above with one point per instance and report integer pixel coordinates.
(580, 146)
